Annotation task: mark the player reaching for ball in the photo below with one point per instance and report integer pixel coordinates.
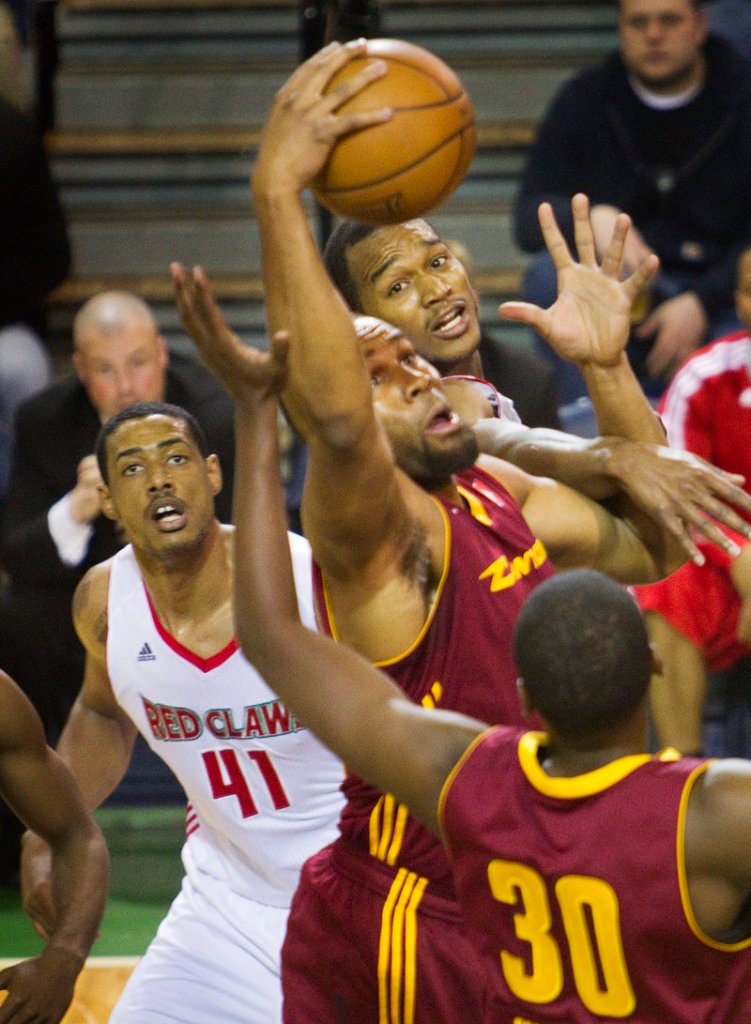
(567, 920)
(425, 556)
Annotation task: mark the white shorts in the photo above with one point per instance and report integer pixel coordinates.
(207, 966)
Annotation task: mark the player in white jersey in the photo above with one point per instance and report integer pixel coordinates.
(157, 624)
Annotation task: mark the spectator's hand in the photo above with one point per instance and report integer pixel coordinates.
(246, 372)
(680, 325)
(85, 504)
(40, 990)
(635, 249)
(683, 493)
(590, 320)
(303, 125)
(36, 884)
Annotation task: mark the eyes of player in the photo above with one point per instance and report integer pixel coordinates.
(436, 262)
(133, 468)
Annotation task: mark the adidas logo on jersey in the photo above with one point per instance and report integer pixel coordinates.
(145, 654)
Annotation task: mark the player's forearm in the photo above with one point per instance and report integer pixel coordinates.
(621, 407)
(97, 750)
(327, 381)
(79, 886)
(586, 464)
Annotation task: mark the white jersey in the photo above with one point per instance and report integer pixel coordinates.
(263, 792)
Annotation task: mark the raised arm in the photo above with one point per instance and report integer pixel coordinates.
(353, 507)
(40, 790)
(355, 709)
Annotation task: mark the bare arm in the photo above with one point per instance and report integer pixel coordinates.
(680, 491)
(96, 743)
(717, 841)
(354, 509)
(40, 790)
(578, 532)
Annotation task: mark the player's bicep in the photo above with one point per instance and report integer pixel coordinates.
(580, 533)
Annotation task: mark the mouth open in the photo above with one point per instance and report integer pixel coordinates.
(168, 514)
(443, 421)
(452, 323)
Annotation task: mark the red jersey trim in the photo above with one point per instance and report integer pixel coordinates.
(204, 664)
(680, 853)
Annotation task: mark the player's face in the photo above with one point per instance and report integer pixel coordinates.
(428, 439)
(118, 370)
(407, 276)
(161, 488)
(743, 291)
(661, 43)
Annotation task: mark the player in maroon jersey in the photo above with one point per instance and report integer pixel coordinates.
(597, 882)
(395, 499)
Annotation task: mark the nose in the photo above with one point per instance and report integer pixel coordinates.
(124, 384)
(160, 479)
(433, 288)
(416, 381)
(654, 28)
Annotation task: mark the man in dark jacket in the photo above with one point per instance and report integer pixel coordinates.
(660, 130)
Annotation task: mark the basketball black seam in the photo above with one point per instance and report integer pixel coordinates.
(423, 71)
(402, 170)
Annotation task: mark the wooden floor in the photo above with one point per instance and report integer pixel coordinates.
(99, 985)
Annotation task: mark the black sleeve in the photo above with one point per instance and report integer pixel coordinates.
(28, 550)
(558, 166)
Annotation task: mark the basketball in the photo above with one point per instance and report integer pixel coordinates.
(403, 168)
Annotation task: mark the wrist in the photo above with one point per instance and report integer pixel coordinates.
(64, 957)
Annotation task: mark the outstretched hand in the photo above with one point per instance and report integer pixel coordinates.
(683, 493)
(247, 373)
(590, 320)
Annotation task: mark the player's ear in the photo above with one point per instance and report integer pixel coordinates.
(214, 472)
(105, 501)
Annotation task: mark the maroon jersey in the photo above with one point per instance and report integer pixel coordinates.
(573, 929)
(461, 660)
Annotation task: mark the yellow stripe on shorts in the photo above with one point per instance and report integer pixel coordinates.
(397, 951)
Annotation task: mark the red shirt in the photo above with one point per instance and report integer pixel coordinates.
(707, 408)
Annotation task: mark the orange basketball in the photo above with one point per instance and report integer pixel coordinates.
(410, 164)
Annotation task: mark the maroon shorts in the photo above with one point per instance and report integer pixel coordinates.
(369, 944)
